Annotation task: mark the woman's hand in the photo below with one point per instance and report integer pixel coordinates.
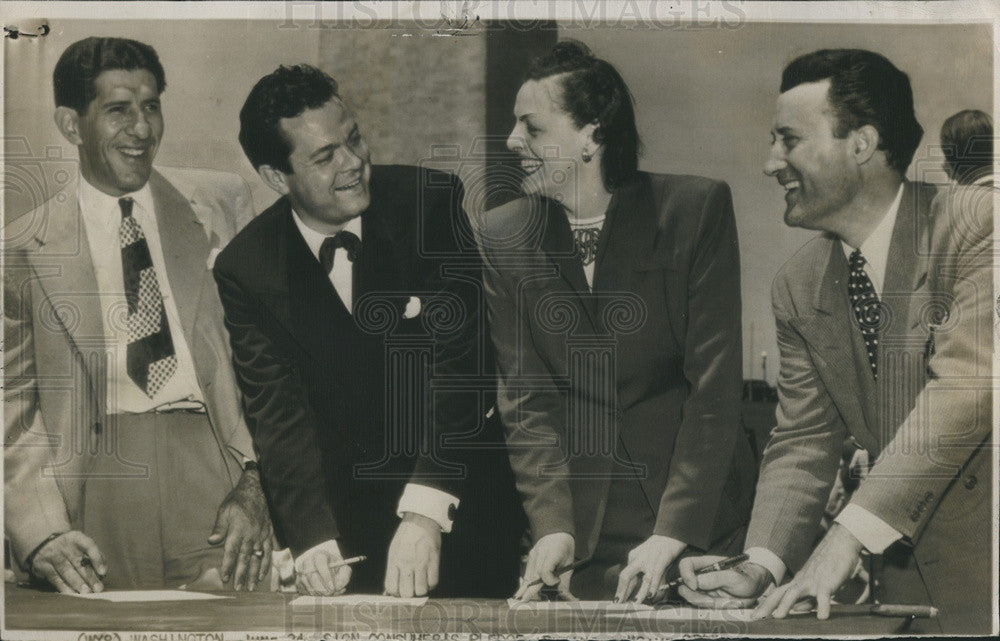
(551, 552)
(649, 559)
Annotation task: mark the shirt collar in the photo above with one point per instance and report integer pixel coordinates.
(314, 239)
(875, 248)
(103, 208)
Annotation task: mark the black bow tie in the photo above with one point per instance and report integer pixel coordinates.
(331, 244)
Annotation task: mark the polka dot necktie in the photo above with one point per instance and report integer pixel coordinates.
(866, 306)
(150, 359)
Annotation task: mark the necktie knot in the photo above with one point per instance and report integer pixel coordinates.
(346, 240)
(857, 262)
(125, 204)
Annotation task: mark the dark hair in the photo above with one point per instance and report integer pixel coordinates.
(284, 93)
(967, 142)
(593, 92)
(84, 60)
(865, 89)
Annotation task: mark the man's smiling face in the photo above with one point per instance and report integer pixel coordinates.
(813, 165)
(331, 165)
(120, 131)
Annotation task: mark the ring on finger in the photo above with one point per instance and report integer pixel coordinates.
(258, 553)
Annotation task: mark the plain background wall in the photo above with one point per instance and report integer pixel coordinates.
(705, 101)
(411, 90)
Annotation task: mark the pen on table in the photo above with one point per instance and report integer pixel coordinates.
(718, 566)
(890, 610)
(559, 570)
(350, 561)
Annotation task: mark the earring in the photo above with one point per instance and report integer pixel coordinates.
(587, 157)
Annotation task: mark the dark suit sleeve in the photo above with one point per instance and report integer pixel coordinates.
(531, 406)
(452, 313)
(703, 451)
(280, 420)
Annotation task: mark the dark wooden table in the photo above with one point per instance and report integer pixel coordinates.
(272, 613)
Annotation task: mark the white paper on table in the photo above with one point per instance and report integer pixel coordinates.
(140, 596)
(601, 606)
(358, 599)
(699, 614)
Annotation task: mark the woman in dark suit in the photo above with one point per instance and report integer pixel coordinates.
(615, 310)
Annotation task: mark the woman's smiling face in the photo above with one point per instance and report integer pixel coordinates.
(548, 141)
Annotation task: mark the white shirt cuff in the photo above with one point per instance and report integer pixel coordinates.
(770, 561)
(428, 501)
(873, 533)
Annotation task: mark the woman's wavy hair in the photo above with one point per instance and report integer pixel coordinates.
(593, 92)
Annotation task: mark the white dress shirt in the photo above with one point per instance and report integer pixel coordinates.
(871, 531)
(101, 219)
(419, 499)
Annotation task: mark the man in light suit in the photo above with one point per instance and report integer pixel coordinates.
(127, 459)
(355, 273)
(883, 325)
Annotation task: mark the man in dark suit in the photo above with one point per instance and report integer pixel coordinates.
(347, 301)
(883, 325)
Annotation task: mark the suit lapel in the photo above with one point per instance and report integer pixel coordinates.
(313, 309)
(627, 241)
(845, 372)
(901, 343)
(185, 249)
(382, 267)
(557, 243)
(65, 268)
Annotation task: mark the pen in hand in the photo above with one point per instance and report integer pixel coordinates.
(558, 571)
(718, 566)
(350, 561)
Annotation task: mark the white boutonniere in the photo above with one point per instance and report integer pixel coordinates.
(412, 309)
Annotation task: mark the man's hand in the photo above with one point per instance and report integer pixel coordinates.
(243, 523)
(650, 559)
(313, 574)
(61, 563)
(550, 552)
(739, 587)
(830, 564)
(414, 556)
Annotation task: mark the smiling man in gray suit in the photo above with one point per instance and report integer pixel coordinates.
(883, 323)
(127, 459)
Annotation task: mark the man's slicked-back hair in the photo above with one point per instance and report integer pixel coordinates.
(865, 89)
(594, 92)
(285, 93)
(967, 143)
(83, 61)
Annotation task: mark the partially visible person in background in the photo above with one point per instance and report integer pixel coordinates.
(967, 142)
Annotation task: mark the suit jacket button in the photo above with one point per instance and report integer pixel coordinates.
(970, 481)
(915, 516)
